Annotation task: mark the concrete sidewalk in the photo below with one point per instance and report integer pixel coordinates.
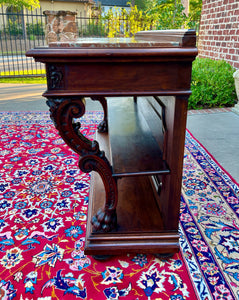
(217, 129)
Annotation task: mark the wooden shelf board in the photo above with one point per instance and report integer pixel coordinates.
(134, 150)
(140, 226)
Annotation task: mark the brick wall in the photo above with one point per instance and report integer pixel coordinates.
(219, 31)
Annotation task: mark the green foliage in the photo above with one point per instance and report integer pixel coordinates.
(14, 28)
(24, 80)
(168, 14)
(152, 14)
(21, 3)
(142, 4)
(35, 29)
(212, 84)
(123, 23)
(95, 28)
(195, 7)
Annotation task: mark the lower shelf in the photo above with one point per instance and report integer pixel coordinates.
(140, 226)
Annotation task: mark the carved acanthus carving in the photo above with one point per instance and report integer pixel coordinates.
(63, 112)
(55, 76)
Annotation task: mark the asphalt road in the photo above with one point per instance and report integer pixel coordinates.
(22, 97)
(217, 131)
(19, 63)
(28, 97)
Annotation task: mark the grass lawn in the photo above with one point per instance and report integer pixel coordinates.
(22, 80)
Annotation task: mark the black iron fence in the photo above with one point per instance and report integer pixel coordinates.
(20, 31)
(23, 30)
(92, 27)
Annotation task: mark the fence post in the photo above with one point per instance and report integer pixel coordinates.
(60, 26)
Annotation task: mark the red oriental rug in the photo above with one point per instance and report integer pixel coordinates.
(43, 209)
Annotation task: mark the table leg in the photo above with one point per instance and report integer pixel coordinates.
(103, 126)
(63, 112)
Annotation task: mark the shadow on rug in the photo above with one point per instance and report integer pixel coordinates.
(43, 209)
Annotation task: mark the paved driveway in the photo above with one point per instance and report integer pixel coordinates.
(22, 97)
(217, 130)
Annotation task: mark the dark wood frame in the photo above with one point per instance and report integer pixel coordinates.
(134, 206)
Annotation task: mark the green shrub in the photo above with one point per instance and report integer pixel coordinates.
(35, 29)
(212, 84)
(95, 28)
(14, 28)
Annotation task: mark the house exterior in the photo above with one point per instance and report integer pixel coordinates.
(106, 5)
(81, 7)
(14, 21)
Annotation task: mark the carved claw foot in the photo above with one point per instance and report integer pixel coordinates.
(164, 256)
(103, 126)
(102, 257)
(104, 221)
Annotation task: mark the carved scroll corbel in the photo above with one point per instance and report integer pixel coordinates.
(63, 112)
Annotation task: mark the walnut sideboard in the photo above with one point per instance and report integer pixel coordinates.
(137, 156)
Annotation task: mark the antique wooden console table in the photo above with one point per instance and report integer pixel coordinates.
(137, 155)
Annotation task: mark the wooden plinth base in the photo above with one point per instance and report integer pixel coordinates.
(140, 226)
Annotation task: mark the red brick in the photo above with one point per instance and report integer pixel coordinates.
(236, 45)
(221, 20)
(235, 57)
(219, 30)
(222, 56)
(236, 65)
